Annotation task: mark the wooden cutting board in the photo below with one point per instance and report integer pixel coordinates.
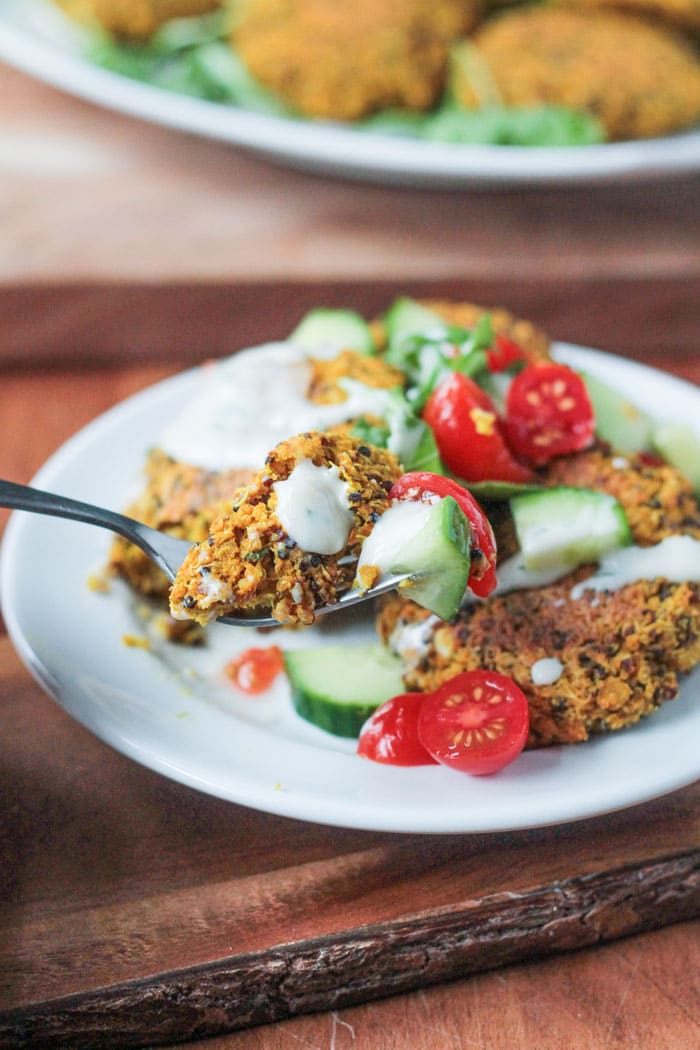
(139, 912)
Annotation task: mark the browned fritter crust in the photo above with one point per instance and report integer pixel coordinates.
(249, 564)
(528, 336)
(621, 651)
(135, 19)
(370, 371)
(180, 499)
(640, 80)
(344, 61)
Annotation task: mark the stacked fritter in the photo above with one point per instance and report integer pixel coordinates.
(620, 652)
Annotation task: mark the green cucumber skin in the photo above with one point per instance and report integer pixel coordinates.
(315, 675)
(345, 721)
(325, 325)
(448, 533)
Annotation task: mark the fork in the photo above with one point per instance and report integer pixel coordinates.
(168, 552)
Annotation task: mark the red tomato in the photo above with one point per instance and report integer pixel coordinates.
(468, 433)
(254, 670)
(477, 722)
(548, 412)
(420, 486)
(503, 354)
(390, 735)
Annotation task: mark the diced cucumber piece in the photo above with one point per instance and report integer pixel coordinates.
(619, 422)
(431, 541)
(565, 527)
(406, 317)
(679, 445)
(337, 688)
(498, 491)
(326, 330)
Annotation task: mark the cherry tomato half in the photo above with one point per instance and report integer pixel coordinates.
(420, 486)
(477, 722)
(390, 735)
(504, 354)
(548, 412)
(468, 432)
(254, 670)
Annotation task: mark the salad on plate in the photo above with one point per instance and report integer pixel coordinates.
(548, 527)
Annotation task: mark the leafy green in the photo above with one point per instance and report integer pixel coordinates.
(428, 359)
(370, 433)
(493, 126)
(188, 56)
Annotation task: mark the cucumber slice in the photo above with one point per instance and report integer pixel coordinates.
(330, 331)
(406, 317)
(498, 491)
(623, 425)
(430, 540)
(337, 688)
(565, 527)
(679, 445)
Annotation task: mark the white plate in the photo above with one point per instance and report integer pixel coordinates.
(172, 711)
(36, 39)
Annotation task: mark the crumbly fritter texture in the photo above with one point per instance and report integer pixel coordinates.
(639, 79)
(370, 371)
(533, 340)
(179, 499)
(134, 19)
(621, 651)
(683, 14)
(345, 61)
(250, 565)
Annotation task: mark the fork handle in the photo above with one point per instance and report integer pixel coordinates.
(24, 497)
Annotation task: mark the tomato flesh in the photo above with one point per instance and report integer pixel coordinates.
(421, 485)
(548, 412)
(477, 722)
(254, 670)
(504, 354)
(390, 735)
(468, 433)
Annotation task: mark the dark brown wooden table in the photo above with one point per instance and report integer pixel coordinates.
(134, 911)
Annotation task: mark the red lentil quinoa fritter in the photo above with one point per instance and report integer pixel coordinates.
(638, 78)
(621, 652)
(249, 564)
(134, 19)
(345, 61)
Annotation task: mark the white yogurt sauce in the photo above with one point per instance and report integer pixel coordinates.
(252, 401)
(313, 508)
(546, 671)
(390, 536)
(677, 559)
(411, 641)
